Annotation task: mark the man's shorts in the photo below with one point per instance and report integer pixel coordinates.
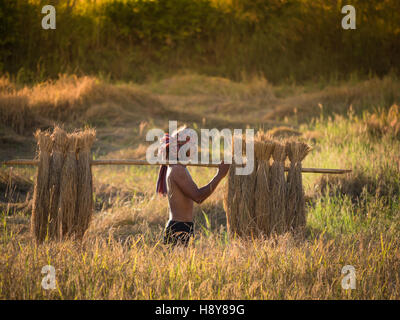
(177, 232)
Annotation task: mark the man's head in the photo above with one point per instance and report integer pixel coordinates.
(172, 144)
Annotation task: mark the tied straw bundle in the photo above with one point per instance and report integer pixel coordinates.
(232, 202)
(263, 205)
(277, 186)
(264, 202)
(84, 207)
(237, 222)
(68, 189)
(63, 194)
(247, 201)
(41, 196)
(59, 138)
(295, 205)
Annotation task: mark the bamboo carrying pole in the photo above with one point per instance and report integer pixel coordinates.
(129, 162)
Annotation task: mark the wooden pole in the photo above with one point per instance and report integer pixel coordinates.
(129, 162)
(20, 162)
(134, 162)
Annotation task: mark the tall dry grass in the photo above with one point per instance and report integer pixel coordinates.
(351, 220)
(140, 267)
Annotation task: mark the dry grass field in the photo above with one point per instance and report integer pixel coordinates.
(351, 220)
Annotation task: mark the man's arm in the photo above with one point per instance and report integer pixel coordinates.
(185, 182)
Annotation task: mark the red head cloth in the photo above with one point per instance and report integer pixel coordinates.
(161, 186)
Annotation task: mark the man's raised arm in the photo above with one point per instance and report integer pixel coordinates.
(184, 181)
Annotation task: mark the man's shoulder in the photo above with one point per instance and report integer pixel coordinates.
(178, 170)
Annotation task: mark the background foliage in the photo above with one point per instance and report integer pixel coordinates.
(283, 40)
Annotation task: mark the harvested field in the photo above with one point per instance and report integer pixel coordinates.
(351, 219)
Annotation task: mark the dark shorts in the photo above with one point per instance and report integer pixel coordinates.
(177, 232)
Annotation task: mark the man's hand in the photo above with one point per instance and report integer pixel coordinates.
(223, 169)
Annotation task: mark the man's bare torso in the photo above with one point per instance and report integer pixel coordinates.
(180, 206)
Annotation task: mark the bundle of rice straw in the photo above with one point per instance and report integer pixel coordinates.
(59, 138)
(84, 206)
(232, 202)
(295, 205)
(41, 195)
(63, 201)
(68, 189)
(277, 186)
(247, 198)
(246, 210)
(263, 204)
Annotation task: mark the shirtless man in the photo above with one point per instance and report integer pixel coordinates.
(182, 191)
